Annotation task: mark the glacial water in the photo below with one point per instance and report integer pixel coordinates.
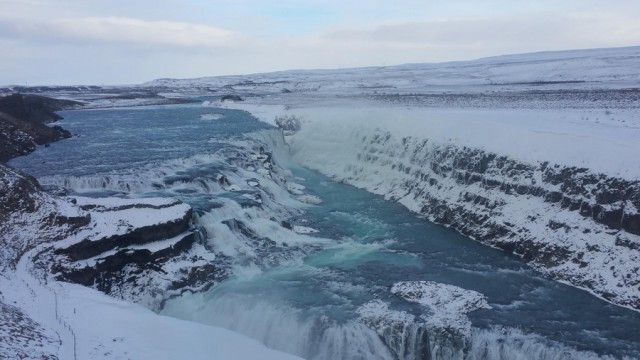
(307, 304)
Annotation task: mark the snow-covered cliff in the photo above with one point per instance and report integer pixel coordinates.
(530, 153)
(566, 200)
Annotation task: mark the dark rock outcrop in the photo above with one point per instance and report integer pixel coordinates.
(235, 98)
(17, 192)
(35, 108)
(109, 270)
(29, 216)
(146, 260)
(89, 248)
(23, 120)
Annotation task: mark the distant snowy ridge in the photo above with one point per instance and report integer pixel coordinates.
(619, 65)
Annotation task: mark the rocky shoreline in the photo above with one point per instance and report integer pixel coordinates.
(25, 204)
(23, 123)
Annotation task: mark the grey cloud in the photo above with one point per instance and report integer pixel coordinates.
(533, 30)
(120, 30)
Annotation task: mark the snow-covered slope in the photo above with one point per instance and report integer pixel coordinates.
(29, 216)
(617, 67)
(67, 321)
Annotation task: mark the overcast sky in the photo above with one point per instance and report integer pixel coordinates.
(132, 41)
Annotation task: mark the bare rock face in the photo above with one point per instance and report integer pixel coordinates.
(29, 216)
(134, 234)
(23, 120)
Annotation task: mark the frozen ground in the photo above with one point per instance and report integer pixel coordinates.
(579, 69)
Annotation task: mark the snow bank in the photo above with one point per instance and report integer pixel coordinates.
(448, 304)
(263, 112)
(571, 137)
(114, 329)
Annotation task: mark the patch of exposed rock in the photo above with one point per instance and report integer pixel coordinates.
(29, 216)
(23, 338)
(35, 108)
(234, 98)
(141, 250)
(23, 123)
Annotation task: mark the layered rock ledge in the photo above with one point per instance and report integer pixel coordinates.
(142, 250)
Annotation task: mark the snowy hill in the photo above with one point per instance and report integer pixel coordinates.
(595, 66)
